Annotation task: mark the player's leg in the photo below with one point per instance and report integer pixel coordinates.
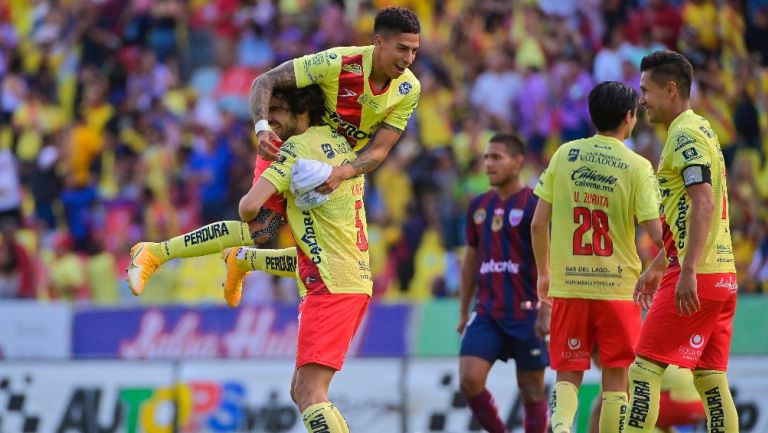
(570, 348)
(531, 358)
(327, 324)
(617, 325)
(481, 344)
(240, 261)
(710, 377)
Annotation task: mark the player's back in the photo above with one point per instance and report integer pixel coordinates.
(331, 238)
(690, 156)
(353, 108)
(597, 187)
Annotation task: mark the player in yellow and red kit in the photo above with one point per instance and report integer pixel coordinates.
(690, 320)
(593, 192)
(369, 96)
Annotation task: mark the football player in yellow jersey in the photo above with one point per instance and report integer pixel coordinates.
(593, 192)
(334, 272)
(689, 323)
(369, 96)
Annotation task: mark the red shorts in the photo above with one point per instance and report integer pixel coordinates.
(672, 413)
(577, 324)
(276, 203)
(700, 341)
(327, 323)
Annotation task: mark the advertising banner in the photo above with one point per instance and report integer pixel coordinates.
(221, 332)
(237, 396)
(32, 330)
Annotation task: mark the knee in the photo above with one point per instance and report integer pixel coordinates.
(471, 385)
(532, 393)
(265, 226)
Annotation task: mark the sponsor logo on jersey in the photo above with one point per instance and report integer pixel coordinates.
(353, 68)
(683, 140)
(310, 238)
(680, 223)
(586, 177)
(691, 154)
(405, 88)
(494, 267)
(346, 128)
(573, 154)
(328, 150)
(347, 93)
(515, 217)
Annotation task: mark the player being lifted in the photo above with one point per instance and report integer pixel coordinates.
(690, 321)
(369, 95)
(498, 264)
(593, 191)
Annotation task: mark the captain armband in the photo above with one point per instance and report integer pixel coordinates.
(696, 174)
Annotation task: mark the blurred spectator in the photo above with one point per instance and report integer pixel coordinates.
(757, 35)
(495, 90)
(17, 276)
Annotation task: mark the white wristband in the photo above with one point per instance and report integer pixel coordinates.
(262, 125)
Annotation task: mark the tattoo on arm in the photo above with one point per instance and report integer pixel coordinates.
(367, 160)
(261, 89)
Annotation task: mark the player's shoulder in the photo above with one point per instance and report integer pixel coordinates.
(479, 199)
(689, 128)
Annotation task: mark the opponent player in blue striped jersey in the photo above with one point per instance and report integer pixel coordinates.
(499, 269)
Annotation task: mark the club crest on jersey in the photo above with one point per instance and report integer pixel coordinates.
(515, 217)
(479, 216)
(573, 154)
(353, 68)
(497, 222)
(405, 88)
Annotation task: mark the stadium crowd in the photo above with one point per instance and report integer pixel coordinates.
(127, 120)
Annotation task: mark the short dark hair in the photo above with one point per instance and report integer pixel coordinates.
(308, 100)
(665, 66)
(514, 144)
(609, 102)
(394, 19)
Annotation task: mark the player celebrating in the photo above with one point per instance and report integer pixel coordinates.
(592, 192)
(498, 262)
(331, 236)
(690, 321)
(369, 95)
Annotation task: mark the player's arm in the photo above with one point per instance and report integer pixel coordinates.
(540, 240)
(254, 199)
(700, 224)
(381, 143)
(468, 286)
(646, 286)
(261, 92)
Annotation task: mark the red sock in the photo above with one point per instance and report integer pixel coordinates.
(536, 419)
(484, 409)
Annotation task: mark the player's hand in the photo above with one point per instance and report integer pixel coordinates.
(646, 288)
(542, 289)
(338, 175)
(463, 319)
(686, 294)
(543, 319)
(265, 145)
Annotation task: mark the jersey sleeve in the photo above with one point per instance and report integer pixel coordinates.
(544, 189)
(316, 68)
(405, 107)
(646, 204)
(691, 157)
(279, 172)
(471, 232)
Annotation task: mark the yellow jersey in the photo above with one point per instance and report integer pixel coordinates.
(332, 238)
(351, 106)
(692, 155)
(597, 187)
